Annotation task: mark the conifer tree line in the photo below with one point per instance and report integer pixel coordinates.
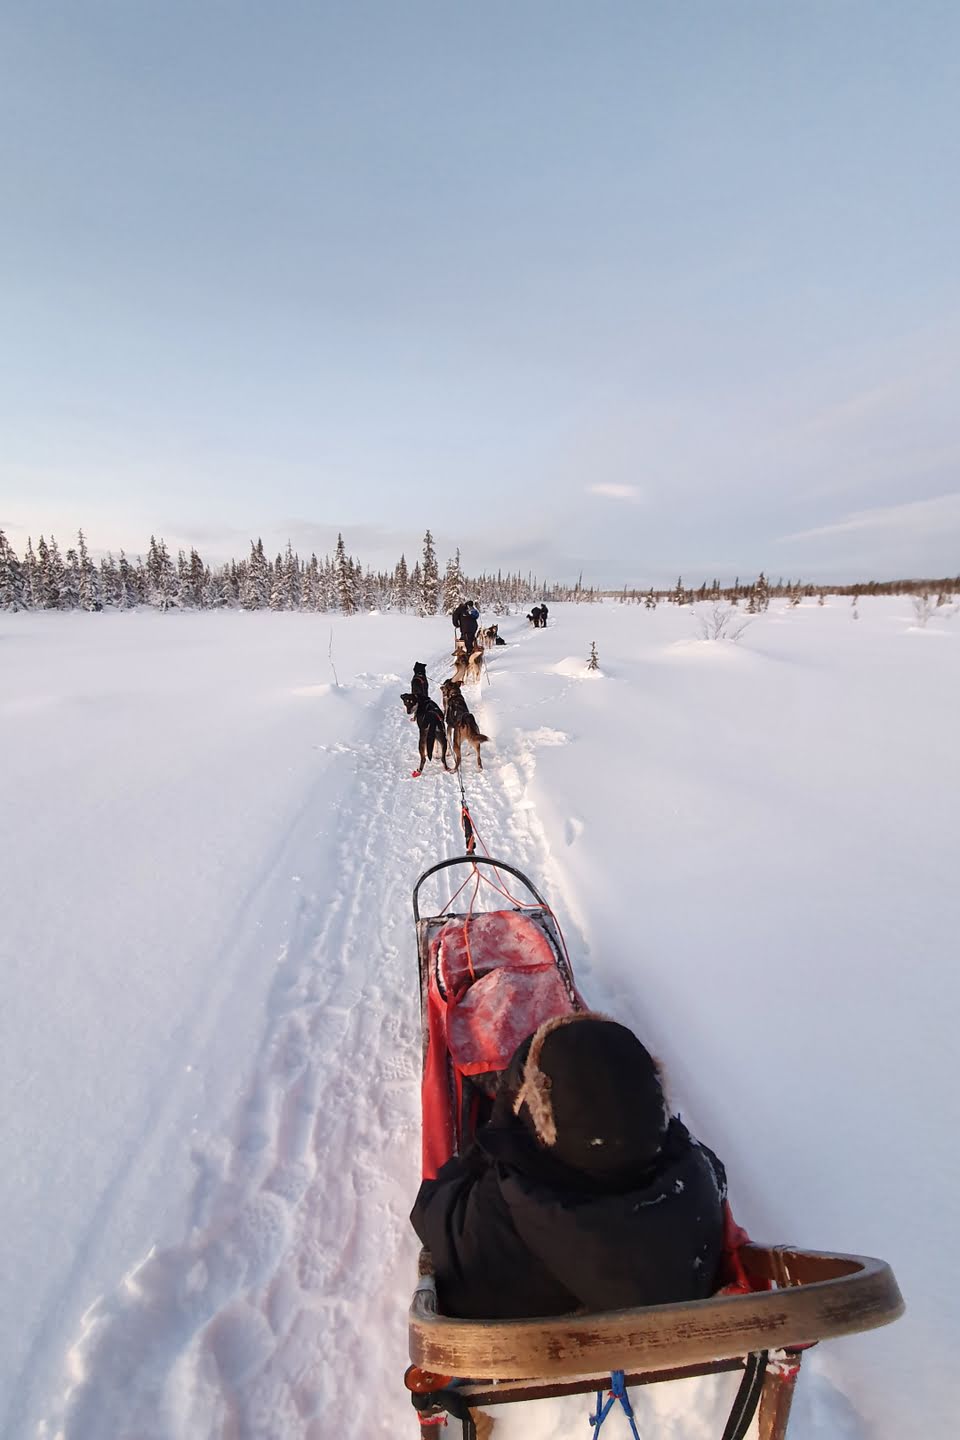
(757, 594)
(47, 578)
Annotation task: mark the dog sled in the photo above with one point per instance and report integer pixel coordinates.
(488, 978)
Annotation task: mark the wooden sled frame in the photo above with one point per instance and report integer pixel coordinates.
(815, 1295)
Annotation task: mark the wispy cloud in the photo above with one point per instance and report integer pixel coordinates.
(916, 518)
(615, 492)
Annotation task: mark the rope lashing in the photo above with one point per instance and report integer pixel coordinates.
(469, 838)
(618, 1391)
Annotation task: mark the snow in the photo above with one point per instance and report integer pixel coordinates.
(209, 1038)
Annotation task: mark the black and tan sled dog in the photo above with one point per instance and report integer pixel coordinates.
(430, 723)
(461, 725)
(419, 685)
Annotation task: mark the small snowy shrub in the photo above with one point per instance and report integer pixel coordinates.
(922, 609)
(594, 662)
(722, 623)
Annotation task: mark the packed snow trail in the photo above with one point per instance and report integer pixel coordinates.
(208, 945)
(289, 1284)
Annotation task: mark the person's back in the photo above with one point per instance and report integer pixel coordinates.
(469, 623)
(581, 1192)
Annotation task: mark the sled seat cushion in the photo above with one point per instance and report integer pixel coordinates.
(497, 1014)
(491, 940)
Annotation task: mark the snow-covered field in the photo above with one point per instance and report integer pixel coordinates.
(209, 1041)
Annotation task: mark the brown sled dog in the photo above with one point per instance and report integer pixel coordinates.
(469, 667)
(461, 725)
(430, 723)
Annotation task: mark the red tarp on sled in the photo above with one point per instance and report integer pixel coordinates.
(493, 980)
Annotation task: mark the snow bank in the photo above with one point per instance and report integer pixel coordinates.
(209, 1047)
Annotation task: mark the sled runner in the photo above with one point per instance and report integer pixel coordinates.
(488, 979)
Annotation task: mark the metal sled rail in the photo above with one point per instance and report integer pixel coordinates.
(475, 860)
(818, 1296)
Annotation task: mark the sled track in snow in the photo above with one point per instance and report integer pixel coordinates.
(282, 1314)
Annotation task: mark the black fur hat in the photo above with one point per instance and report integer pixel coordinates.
(592, 1095)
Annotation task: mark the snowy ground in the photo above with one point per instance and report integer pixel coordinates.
(209, 1046)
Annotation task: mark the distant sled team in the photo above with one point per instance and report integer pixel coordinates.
(454, 725)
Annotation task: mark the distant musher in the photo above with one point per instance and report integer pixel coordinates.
(467, 617)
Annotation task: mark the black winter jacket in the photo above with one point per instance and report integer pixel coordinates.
(513, 1233)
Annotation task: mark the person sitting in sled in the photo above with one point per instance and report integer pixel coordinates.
(581, 1192)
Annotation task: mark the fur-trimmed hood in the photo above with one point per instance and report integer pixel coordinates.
(591, 1094)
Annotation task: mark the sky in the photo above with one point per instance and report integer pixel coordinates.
(634, 289)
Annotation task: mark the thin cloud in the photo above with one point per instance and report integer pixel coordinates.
(615, 492)
(915, 517)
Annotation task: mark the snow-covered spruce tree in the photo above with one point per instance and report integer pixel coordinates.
(650, 600)
(255, 586)
(762, 589)
(357, 570)
(48, 590)
(87, 593)
(161, 576)
(70, 586)
(11, 577)
(126, 589)
(401, 585)
(31, 578)
(328, 585)
(416, 584)
(108, 586)
(428, 601)
(183, 581)
(453, 584)
(277, 600)
(198, 577)
(291, 579)
(310, 585)
(228, 584)
(212, 592)
(369, 591)
(66, 592)
(347, 598)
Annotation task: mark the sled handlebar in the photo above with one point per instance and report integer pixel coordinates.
(474, 860)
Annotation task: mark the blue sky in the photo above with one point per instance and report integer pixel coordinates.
(633, 288)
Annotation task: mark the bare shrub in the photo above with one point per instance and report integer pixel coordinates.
(723, 622)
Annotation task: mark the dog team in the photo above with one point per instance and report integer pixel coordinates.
(454, 725)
